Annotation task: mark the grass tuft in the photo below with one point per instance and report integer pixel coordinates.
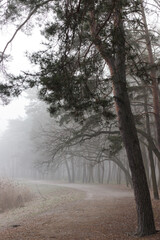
(13, 195)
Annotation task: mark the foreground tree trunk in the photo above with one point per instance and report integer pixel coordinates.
(127, 127)
(128, 131)
(159, 175)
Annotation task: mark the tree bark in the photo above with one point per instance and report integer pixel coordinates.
(159, 175)
(128, 131)
(127, 127)
(127, 179)
(129, 135)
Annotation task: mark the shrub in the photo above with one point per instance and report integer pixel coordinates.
(13, 195)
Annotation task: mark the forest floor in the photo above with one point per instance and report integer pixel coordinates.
(75, 212)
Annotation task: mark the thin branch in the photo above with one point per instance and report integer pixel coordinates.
(20, 27)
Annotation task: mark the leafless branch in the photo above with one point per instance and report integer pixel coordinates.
(21, 26)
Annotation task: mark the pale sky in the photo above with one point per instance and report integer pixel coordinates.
(16, 109)
(21, 44)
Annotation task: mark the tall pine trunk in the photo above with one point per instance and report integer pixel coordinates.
(129, 135)
(127, 127)
(128, 131)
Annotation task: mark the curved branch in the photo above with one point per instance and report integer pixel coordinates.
(152, 144)
(20, 27)
(122, 167)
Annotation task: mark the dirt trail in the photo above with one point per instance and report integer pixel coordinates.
(104, 213)
(97, 192)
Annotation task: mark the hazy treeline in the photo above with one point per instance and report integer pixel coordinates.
(39, 148)
(27, 151)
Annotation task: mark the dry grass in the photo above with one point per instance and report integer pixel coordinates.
(13, 195)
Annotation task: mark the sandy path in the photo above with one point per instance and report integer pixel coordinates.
(97, 192)
(105, 213)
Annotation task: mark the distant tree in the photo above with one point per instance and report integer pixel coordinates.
(153, 75)
(20, 160)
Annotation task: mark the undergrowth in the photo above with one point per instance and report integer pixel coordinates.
(13, 195)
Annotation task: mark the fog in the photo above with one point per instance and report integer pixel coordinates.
(29, 147)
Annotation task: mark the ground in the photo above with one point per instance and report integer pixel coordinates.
(75, 212)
